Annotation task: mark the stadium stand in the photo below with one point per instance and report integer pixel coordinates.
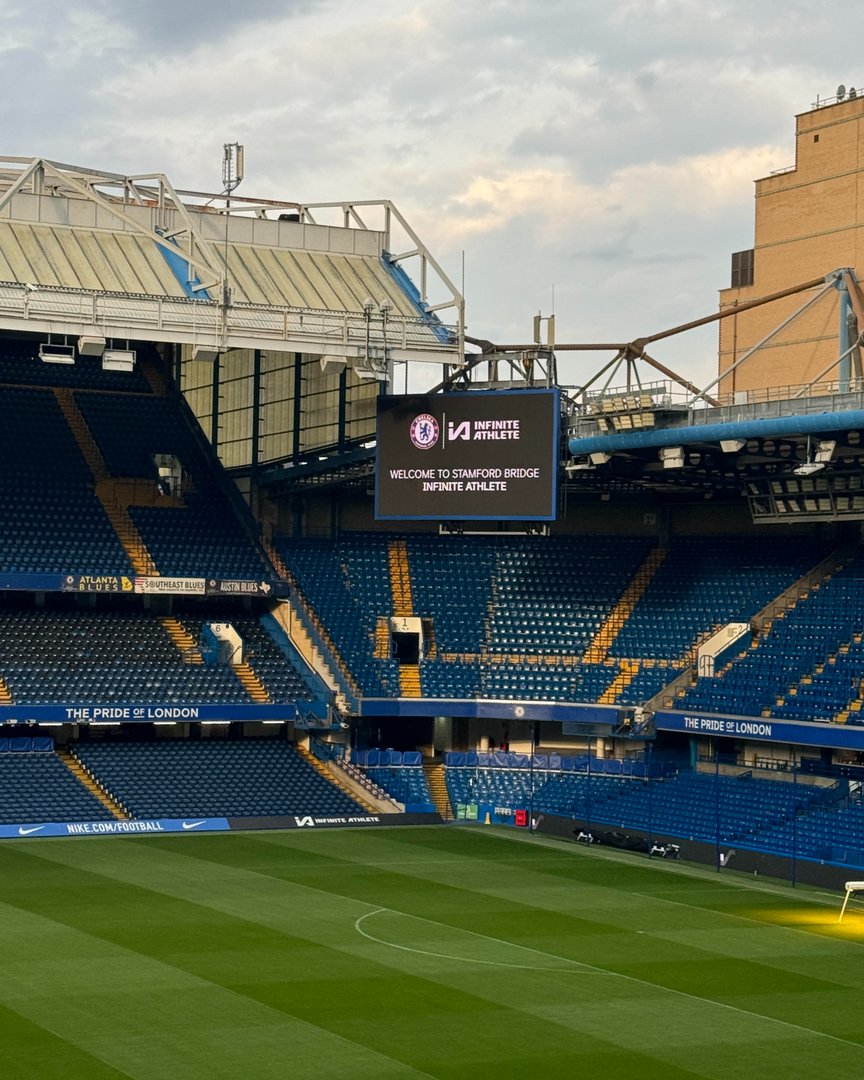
(347, 582)
(807, 664)
(242, 778)
(77, 657)
(704, 582)
(203, 537)
(52, 519)
(561, 641)
(400, 774)
(36, 786)
(521, 617)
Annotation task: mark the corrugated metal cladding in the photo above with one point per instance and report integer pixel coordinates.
(123, 262)
(90, 259)
(312, 279)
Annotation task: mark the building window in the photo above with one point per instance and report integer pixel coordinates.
(815, 138)
(742, 268)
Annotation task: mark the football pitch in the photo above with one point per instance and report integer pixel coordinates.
(448, 952)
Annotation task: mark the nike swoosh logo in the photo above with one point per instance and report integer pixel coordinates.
(193, 824)
(26, 832)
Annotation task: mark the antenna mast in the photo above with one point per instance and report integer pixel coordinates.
(232, 177)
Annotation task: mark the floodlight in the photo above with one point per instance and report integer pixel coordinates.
(91, 345)
(204, 352)
(56, 354)
(807, 468)
(333, 365)
(672, 457)
(118, 360)
(367, 368)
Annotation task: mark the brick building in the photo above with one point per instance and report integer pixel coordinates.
(809, 222)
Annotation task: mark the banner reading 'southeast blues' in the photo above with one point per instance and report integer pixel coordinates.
(480, 455)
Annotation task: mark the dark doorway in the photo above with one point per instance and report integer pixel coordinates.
(405, 648)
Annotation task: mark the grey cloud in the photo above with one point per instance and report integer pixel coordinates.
(475, 90)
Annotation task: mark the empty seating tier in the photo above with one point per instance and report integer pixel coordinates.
(213, 778)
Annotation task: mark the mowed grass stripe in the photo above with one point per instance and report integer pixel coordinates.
(403, 1003)
(110, 969)
(417, 1004)
(30, 1050)
(316, 988)
(687, 966)
(750, 925)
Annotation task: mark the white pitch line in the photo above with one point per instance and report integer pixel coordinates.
(593, 969)
(584, 968)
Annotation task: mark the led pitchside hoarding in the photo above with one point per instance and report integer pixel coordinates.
(475, 456)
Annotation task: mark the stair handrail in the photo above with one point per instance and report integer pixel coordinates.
(298, 609)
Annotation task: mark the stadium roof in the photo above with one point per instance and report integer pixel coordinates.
(83, 251)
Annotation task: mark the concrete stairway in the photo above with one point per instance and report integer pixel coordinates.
(86, 780)
(409, 680)
(354, 791)
(114, 498)
(251, 683)
(400, 579)
(286, 615)
(629, 671)
(598, 649)
(434, 771)
(181, 637)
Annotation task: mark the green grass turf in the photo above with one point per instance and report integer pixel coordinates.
(408, 952)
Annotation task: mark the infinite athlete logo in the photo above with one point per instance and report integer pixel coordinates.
(424, 431)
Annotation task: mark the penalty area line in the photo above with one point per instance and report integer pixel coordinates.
(575, 967)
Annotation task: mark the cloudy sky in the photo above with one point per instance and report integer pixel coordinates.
(598, 152)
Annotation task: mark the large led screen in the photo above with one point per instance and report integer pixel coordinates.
(480, 455)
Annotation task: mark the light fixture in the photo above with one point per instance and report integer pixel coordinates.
(333, 365)
(807, 468)
(672, 457)
(204, 352)
(600, 458)
(811, 465)
(370, 370)
(91, 345)
(118, 360)
(56, 354)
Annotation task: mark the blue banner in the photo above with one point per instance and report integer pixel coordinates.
(579, 713)
(125, 714)
(119, 583)
(114, 828)
(798, 733)
(32, 582)
(99, 583)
